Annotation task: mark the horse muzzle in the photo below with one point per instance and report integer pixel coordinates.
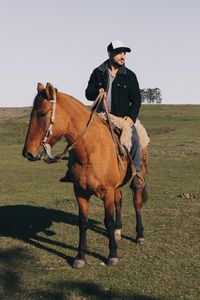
(31, 157)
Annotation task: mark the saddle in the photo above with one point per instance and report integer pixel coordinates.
(121, 134)
(121, 129)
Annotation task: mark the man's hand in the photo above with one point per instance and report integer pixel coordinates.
(103, 92)
(129, 120)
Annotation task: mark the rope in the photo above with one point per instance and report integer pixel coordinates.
(94, 108)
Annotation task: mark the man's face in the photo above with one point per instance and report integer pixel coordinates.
(118, 59)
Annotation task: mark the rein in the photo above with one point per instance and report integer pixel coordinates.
(47, 147)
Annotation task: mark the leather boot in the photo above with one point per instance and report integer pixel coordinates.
(137, 182)
(66, 178)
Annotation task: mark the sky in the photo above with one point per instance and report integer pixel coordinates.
(62, 41)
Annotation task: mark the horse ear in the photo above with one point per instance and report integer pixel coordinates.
(40, 87)
(51, 91)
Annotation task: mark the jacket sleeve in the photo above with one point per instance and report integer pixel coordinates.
(92, 89)
(135, 98)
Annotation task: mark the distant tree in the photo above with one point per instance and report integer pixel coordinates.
(143, 95)
(151, 95)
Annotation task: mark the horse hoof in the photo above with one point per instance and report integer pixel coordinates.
(79, 264)
(118, 235)
(140, 241)
(113, 261)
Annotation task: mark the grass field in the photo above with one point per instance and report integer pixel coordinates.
(38, 221)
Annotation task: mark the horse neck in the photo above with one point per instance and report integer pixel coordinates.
(74, 116)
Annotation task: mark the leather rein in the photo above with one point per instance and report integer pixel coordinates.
(47, 147)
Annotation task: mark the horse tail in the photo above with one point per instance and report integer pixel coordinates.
(145, 164)
(144, 195)
(145, 159)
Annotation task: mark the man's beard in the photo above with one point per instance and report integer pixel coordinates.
(117, 65)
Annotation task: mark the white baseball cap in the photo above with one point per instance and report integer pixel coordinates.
(117, 46)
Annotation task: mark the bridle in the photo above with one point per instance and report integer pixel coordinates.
(46, 146)
(49, 131)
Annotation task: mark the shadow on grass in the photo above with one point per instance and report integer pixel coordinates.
(12, 285)
(86, 290)
(11, 262)
(23, 222)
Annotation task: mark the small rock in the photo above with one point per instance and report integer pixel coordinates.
(186, 195)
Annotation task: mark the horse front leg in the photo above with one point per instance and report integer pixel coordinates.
(137, 200)
(118, 217)
(83, 205)
(110, 226)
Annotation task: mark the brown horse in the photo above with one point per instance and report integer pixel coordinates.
(94, 168)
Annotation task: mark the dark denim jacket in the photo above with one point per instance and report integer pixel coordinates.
(126, 98)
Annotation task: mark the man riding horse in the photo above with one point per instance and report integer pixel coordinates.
(121, 91)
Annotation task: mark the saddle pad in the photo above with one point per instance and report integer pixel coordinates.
(126, 132)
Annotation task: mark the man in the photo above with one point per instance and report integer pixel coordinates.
(122, 93)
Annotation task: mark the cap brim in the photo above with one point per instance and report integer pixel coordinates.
(121, 49)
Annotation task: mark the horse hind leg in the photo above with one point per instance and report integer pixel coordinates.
(118, 217)
(137, 200)
(141, 197)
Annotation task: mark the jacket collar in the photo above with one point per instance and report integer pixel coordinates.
(104, 67)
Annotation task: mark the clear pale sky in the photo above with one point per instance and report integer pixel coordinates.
(62, 41)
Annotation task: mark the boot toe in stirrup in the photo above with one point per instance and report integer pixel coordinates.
(137, 182)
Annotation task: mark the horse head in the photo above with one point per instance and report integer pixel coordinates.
(41, 126)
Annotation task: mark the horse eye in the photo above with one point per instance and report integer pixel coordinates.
(41, 114)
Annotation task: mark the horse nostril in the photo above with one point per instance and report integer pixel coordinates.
(28, 155)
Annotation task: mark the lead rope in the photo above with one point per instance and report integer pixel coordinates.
(47, 147)
(100, 98)
(117, 144)
(114, 137)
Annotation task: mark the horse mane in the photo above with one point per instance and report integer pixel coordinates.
(79, 104)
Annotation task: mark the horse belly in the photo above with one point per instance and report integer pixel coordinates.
(91, 176)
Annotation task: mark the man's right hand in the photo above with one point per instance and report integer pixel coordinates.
(101, 90)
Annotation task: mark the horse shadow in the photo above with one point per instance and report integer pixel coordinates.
(13, 259)
(89, 290)
(24, 222)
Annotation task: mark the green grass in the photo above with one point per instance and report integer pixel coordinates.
(38, 221)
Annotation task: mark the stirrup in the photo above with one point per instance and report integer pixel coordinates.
(66, 178)
(135, 184)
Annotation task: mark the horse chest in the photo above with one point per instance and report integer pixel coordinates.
(84, 176)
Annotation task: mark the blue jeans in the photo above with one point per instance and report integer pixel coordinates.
(135, 149)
